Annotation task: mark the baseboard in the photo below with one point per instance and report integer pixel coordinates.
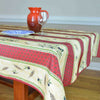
(55, 20)
(94, 66)
(12, 18)
(75, 20)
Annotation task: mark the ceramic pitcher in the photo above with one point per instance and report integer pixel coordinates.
(36, 18)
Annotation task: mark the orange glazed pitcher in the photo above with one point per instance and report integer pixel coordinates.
(36, 18)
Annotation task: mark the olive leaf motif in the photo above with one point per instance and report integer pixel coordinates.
(49, 82)
(45, 80)
(31, 74)
(17, 67)
(15, 72)
(27, 67)
(52, 96)
(60, 49)
(76, 57)
(26, 42)
(5, 68)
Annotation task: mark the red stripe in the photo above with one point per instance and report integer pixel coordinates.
(68, 73)
(69, 66)
(98, 53)
(48, 60)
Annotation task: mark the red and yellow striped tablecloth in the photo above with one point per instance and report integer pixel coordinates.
(49, 60)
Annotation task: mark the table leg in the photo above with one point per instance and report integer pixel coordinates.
(20, 91)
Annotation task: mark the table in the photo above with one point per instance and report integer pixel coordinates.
(49, 60)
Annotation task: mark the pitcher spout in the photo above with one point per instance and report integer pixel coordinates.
(31, 9)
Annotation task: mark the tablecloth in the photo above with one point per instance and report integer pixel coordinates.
(49, 60)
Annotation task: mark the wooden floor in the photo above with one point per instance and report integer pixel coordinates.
(87, 87)
(6, 93)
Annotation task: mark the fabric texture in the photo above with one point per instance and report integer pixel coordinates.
(49, 60)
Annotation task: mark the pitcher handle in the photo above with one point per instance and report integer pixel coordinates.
(46, 13)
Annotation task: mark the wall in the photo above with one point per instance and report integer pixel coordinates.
(61, 11)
